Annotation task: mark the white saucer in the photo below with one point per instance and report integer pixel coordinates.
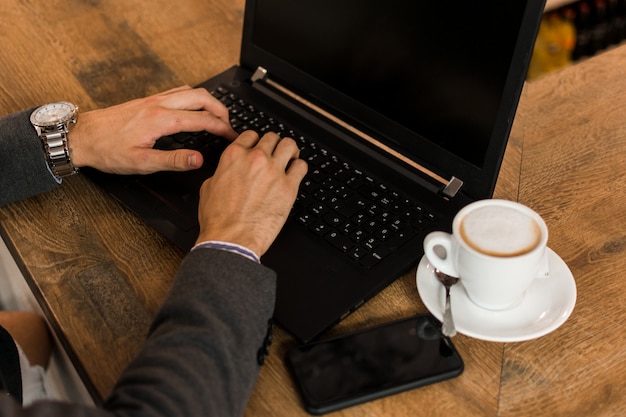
(546, 305)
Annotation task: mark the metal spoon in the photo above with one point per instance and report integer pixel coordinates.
(447, 328)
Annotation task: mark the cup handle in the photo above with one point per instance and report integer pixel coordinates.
(444, 240)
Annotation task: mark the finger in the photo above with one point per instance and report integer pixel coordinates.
(296, 170)
(195, 99)
(174, 90)
(286, 150)
(269, 142)
(247, 139)
(178, 160)
(174, 121)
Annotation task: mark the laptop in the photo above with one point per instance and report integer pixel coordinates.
(403, 111)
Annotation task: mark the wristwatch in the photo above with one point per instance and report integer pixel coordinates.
(52, 122)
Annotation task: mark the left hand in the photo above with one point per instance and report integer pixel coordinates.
(249, 197)
(119, 139)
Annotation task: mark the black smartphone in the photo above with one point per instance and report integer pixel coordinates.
(343, 371)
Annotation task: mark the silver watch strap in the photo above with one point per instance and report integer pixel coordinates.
(58, 153)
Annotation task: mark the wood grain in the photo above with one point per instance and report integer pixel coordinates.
(574, 175)
(103, 273)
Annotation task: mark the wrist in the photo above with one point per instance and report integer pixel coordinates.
(239, 239)
(77, 144)
(229, 247)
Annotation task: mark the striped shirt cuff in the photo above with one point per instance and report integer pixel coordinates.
(229, 247)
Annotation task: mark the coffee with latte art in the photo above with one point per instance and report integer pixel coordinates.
(501, 231)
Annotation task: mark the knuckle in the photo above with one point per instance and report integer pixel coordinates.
(233, 150)
(291, 144)
(177, 160)
(257, 157)
(152, 112)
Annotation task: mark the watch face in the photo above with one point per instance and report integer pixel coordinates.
(54, 113)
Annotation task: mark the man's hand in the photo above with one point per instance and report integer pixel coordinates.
(248, 199)
(119, 139)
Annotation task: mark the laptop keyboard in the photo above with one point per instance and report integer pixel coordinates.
(354, 212)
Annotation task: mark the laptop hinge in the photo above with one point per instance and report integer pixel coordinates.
(259, 74)
(453, 187)
(448, 189)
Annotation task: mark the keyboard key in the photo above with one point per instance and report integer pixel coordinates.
(370, 243)
(369, 260)
(360, 218)
(322, 194)
(347, 227)
(400, 238)
(384, 233)
(420, 223)
(384, 216)
(358, 235)
(397, 224)
(371, 226)
(382, 251)
(317, 175)
(341, 242)
(305, 218)
(333, 219)
(318, 209)
(319, 227)
(357, 253)
(351, 206)
(370, 191)
(304, 199)
(343, 192)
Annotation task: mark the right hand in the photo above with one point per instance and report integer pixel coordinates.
(119, 139)
(249, 197)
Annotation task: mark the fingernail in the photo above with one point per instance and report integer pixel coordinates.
(193, 161)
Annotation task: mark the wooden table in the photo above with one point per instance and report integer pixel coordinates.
(103, 275)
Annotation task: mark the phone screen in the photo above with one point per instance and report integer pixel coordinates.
(383, 360)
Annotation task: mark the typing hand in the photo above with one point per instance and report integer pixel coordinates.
(119, 139)
(248, 199)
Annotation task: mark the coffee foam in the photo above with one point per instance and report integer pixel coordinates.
(500, 231)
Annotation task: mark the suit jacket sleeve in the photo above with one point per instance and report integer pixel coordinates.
(200, 357)
(23, 168)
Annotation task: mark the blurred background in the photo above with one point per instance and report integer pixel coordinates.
(575, 30)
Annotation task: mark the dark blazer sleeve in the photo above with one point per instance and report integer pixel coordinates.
(200, 357)
(23, 168)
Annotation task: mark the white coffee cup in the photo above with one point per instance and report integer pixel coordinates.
(497, 248)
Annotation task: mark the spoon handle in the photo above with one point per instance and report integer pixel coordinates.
(447, 328)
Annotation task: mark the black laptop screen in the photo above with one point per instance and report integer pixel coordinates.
(433, 71)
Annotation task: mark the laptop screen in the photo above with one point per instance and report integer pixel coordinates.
(436, 81)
